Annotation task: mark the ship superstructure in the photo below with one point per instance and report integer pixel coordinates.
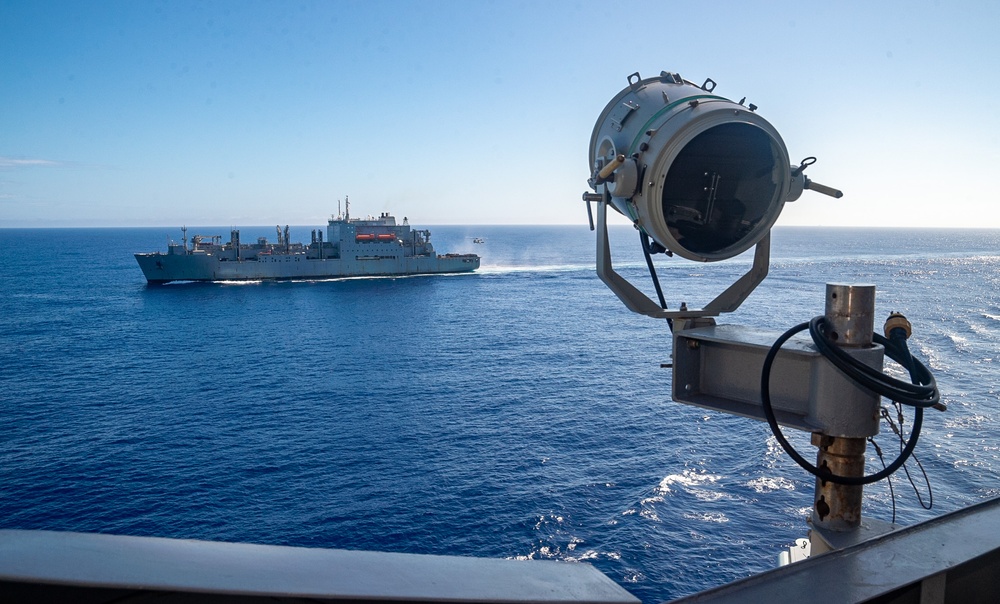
(350, 247)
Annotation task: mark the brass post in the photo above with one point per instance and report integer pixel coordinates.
(850, 315)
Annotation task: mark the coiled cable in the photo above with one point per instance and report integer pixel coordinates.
(920, 394)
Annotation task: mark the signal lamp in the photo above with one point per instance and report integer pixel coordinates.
(702, 176)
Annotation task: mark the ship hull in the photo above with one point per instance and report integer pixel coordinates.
(161, 268)
(349, 247)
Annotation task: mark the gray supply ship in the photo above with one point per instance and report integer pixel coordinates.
(352, 247)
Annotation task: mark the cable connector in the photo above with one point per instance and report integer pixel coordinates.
(895, 321)
(898, 329)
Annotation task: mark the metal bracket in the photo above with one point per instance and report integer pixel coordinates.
(671, 78)
(824, 540)
(621, 113)
(638, 302)
(718, 367)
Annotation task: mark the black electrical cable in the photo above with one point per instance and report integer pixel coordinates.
(888, 480)
(647, 251)
(899, 434)
(644, 239)
(886, 386)
(922, 392)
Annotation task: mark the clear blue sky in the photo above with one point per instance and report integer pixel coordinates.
(248, 113)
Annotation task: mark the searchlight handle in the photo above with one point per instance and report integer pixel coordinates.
(825, 190)
(808, 184)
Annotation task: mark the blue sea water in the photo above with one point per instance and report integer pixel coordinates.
(518, 412)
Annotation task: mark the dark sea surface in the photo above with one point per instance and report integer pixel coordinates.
(518, 412)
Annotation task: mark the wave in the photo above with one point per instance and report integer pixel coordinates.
(549, 268)
(767, 484)
(687, 479)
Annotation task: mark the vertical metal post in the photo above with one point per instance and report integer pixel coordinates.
(850, 315)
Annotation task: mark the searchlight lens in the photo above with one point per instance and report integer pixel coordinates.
(720, 188)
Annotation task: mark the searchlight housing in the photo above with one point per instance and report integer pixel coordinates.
(702, 176)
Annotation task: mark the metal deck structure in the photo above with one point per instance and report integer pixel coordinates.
(954, 558)
(47, 566)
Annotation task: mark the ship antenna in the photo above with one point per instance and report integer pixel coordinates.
(347, 207)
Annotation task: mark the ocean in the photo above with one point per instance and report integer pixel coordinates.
(517, 412)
